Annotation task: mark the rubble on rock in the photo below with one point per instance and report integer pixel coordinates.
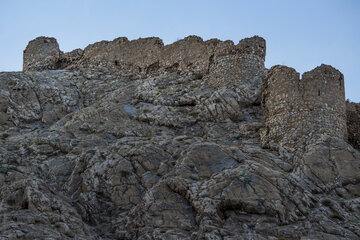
(192, 140)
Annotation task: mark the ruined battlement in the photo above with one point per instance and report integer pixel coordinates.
(191, 140)
(297, 108)
(42, 53)
(294, 108)
(144, 55)
(221, 62)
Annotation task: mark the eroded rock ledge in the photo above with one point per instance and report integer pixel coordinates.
(193, 140)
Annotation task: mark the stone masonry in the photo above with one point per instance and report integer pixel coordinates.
(296, 109)
(41, 54)
(192, 140)
(227, 63)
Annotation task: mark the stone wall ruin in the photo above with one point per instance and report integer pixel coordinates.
(222, 62)
(296, 109)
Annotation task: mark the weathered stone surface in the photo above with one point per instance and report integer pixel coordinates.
(315, 105)
(353, 123)
(149, 56)
(40, 54)
(332, 162)
(136, 140)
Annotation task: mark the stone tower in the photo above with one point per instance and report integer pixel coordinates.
(297, 109)
(42, 53)
(241, 66)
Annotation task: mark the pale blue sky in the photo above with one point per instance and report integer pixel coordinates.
(300, 34)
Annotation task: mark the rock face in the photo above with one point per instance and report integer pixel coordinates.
(192, 140)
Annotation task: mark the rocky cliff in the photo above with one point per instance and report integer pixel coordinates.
(192, 140)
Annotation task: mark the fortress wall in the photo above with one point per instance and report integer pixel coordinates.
(190, 54)
(353, 123)
(150, 56)
(280, 97)
(123, 54)
(41, 54)
(254, 46)
(295, 109)
(69, 58)
(241, 67)
(324, 95)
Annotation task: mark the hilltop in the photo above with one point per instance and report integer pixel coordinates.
(191, 140)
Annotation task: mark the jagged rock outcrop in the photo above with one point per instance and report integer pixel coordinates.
(192, 140)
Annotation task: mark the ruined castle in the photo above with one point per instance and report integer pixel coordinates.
(192, 140)
(295, 109)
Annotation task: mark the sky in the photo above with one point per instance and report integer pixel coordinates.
(299, 34)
